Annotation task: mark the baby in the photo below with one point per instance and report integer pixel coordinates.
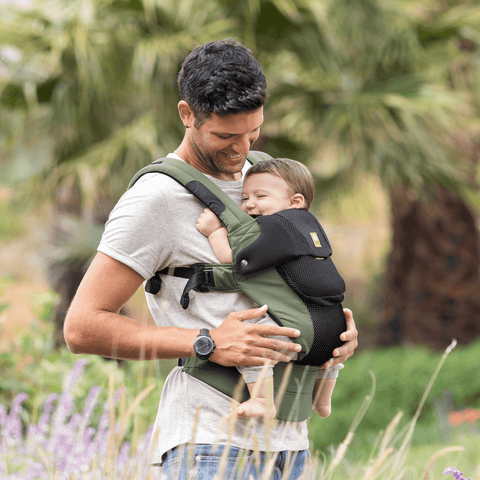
(269, 187)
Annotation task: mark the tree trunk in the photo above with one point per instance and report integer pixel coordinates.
(432, 287)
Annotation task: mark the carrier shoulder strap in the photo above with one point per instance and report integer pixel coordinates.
(200, 186)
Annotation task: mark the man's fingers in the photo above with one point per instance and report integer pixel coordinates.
(274, 330)
(351, 333)
(252, 313)
(251, 344)
(343, 351)
(266, 356)
(341, 354)
(264, 330)
(332, 362)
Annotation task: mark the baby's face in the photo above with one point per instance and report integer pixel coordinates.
(264, 194)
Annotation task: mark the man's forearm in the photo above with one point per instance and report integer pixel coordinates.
(93, 325)
(111, 335)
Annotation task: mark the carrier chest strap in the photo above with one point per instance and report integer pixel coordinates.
(199, 278)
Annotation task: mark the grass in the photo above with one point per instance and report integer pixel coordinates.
(102, 421)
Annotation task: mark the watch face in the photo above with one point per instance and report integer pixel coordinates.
(203, 345)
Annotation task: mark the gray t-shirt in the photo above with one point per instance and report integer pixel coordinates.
(153, 227)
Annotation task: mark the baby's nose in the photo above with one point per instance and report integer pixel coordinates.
(250, 204)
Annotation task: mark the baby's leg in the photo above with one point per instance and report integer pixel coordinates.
(322, 396)
(261, 403)
(322, 392)
(259, 382)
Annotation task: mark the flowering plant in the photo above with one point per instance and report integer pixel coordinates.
(62, 444)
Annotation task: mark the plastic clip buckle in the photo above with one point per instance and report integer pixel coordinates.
(208, 277)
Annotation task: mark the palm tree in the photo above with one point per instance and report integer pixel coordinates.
(440, 297)
(368, 81)
(346, 75)
(98, 80)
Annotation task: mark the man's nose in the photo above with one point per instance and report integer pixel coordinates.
(242, 145)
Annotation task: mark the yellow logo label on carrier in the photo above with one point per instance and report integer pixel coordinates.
(315, 239)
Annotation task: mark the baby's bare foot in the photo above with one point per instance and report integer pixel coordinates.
(323, 410)
(252, 408)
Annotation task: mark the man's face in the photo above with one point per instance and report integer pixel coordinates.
(222, 143)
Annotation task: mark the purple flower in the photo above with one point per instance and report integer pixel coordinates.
(13, 425)
(63, 442)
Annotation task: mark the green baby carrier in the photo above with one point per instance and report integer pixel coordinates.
(282, 260)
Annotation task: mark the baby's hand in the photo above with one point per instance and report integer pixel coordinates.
(208, 222)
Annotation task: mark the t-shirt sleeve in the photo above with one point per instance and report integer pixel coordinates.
(137, 231)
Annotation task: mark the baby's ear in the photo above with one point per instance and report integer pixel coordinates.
(298, 201)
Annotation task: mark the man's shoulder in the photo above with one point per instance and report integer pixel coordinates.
(157, 182)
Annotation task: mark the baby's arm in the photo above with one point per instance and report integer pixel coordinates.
(210, 225)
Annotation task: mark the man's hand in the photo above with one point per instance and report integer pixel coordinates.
(244, 344)
(349, 337)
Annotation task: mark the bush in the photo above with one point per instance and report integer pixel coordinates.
(32, 367)
(401, 375)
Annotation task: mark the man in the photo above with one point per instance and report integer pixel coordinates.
(223, 91)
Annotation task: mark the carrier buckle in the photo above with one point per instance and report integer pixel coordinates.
(199, 281)
(208, 277)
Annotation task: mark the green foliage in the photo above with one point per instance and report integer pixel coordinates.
(401, 377)
(31, 365)
(12, 220)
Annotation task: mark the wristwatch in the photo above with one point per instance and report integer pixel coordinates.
(203, 344)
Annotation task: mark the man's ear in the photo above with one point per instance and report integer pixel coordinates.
(297, 201)
(186, 113)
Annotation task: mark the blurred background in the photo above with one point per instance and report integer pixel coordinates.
(380, 99)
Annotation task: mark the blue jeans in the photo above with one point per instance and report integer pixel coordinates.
(203, 462)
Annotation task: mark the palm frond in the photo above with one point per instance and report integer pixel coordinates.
(107, 165)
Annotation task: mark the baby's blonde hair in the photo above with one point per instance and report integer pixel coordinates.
(296, 175)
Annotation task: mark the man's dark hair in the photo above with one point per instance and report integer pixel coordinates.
(221, 77)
